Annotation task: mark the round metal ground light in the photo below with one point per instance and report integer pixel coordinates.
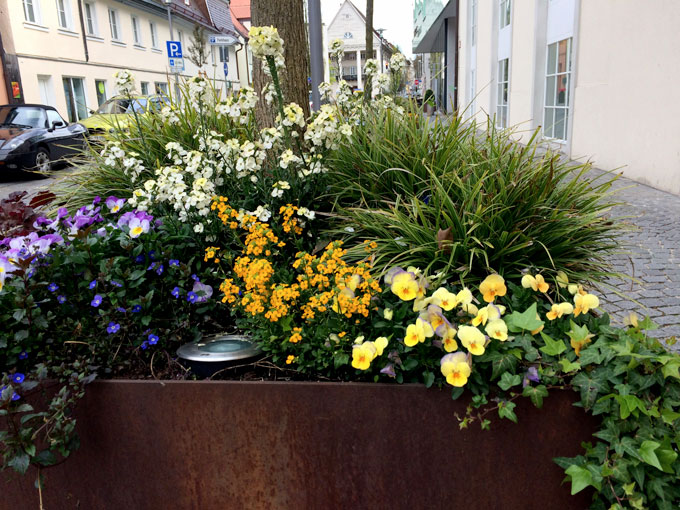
(214, 353)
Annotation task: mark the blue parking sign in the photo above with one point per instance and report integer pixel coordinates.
(174, 49)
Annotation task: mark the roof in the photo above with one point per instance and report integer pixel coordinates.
(240, 9)
(363, 18)
(240, 28)
(220, 16)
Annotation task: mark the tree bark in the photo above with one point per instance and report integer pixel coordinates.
(368, 86)
(288, 17)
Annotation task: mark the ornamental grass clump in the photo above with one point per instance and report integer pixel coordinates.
(443, 197)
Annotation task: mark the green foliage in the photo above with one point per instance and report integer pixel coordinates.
(440, 196)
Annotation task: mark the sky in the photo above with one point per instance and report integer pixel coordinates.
(395, 16)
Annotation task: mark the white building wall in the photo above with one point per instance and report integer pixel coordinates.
(522, 70)
(46, 50)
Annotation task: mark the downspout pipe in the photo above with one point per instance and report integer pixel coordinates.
(238, 71)
(82, 30)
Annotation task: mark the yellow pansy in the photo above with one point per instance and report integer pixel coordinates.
(405, 286)
(362, 355)
(470, 308)
(449, 341)
(488, 313)
(456, 368)
(420, 303)
(536, 283)
(464, 297)
(562, 279)
(434, 316)
(380, 344)
(492, 286)
(631, 320)
(497, 329)
(584, 303)
(558, 310)
(472, 339)
(416, 333)
(444, 299)
(388, 313)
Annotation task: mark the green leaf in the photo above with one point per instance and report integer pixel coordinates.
(137, 274)
(507, 410)
(340, 359)
(525, 321)
(46, 458)
(428, 378)
(410, 364)
(509, 380)
(552, 347)
(20, 335)
(536, 394)
(456, 393)
(501, 363)
(569, 366)
(647, 452)
(20, 463)
(580, 478)
(670, 369)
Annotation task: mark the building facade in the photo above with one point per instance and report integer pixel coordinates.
(349, 25)
(68, 50)
(594, 77)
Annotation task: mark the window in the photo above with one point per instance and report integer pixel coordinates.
(224, 53)
(136, 33)
(64, 14)
(557, 88)
(154, 35)
(505, 11)
(45, 86)
(145, 87)
(53, 116)
(100, 86)
(114, 25)
(473, 23)
(74, 91)
(161, 87)
(91, 19)
(502, 101)
(32, 11)
(473, 91)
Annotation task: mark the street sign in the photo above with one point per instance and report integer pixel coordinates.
(174, 49)
(176, 65)
(222, 40)
(226, 69)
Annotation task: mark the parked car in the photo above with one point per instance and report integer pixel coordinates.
(33, 136)
(118, 112)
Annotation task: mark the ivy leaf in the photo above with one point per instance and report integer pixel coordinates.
(428, 378)
(590, 386)
(507, 410)
(501, 363)
(525, 321)
(666, 456)
(536, 394)
(569, 366)
(552, 347)
(580, 478)
(509, 380)
(670, 369)
(647, 452)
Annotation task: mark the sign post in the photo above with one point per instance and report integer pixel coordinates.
(175, 59)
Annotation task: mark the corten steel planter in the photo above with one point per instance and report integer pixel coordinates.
(276, 445)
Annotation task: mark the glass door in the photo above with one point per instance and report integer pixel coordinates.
(74, 91)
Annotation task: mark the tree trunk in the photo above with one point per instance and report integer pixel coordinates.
(368, 86)
(288, 17)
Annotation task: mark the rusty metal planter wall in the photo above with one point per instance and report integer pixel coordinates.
(242, 445)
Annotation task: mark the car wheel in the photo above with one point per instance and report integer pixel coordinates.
(42, 161)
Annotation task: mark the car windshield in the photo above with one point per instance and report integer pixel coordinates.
(22, 116)
(123, 105)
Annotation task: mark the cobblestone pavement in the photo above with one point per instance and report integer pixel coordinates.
(31, 184)
(651, 255)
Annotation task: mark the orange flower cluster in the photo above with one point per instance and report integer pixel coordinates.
(290, 222)
(229, 290)
(211, 253)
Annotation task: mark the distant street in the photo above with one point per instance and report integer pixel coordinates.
(29, 184)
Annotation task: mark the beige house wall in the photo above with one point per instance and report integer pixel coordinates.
(47, 50)
(625, 115)
(522, 73)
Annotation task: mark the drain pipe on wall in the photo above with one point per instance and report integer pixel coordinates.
(82, 30)
(238, 71)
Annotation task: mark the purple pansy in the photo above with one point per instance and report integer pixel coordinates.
(203, 292)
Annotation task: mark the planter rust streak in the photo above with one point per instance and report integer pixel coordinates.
(243, 445)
